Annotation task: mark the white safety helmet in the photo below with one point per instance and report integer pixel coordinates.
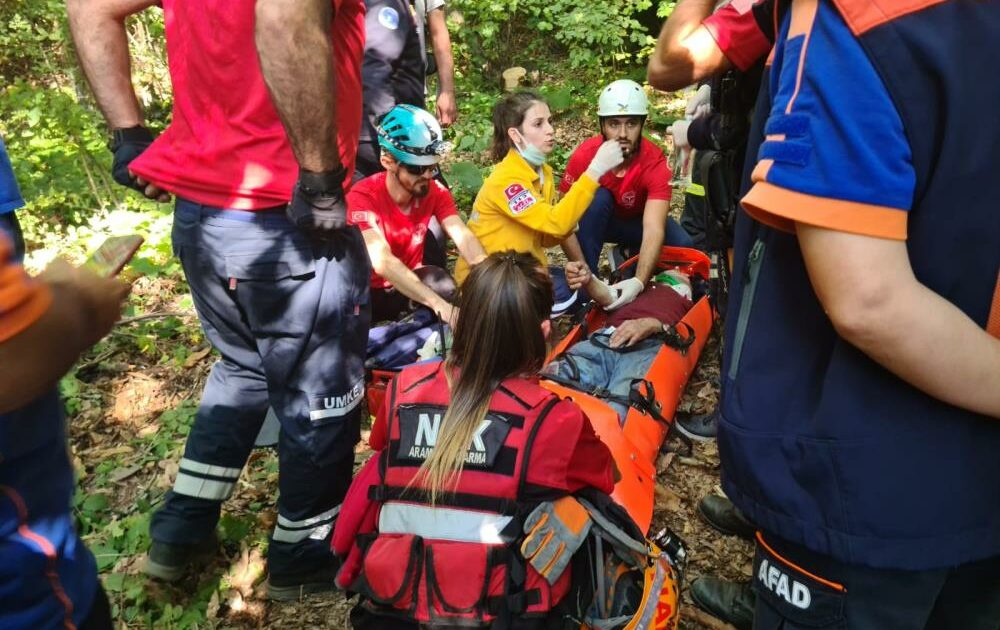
(623, 98)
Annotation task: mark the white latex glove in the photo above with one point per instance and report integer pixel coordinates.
(700, 103)
(628, 290)
(609, 155)
(679, 130)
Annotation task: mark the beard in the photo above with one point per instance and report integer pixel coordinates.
(421, 188)
(630, 149)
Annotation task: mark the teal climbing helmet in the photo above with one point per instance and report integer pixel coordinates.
(411, 135)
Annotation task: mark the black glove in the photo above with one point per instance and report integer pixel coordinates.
(126, 145)
(318, 204)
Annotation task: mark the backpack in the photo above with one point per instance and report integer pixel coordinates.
(621, 580)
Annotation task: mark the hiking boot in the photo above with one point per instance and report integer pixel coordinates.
(701, 427)
(169, 562)
(295, 586)
(721, 514)
(732, 602)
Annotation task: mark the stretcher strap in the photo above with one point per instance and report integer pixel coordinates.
(648, 404)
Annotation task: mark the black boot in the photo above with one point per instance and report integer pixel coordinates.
(724, 517)
(732, 602)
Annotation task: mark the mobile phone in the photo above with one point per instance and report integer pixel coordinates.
(113, 255)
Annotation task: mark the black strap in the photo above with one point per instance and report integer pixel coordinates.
(580, 317)
(672, 337)
(647, 403)
(530, 443)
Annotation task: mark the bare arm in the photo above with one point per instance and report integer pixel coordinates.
(98, 30)
(401, 277)
(571, 247)
(578, 274)
(437, 27)
(83, 309)
(685, 51)
(654, 220)
(900, 323)
(296, 57)
(468, 245)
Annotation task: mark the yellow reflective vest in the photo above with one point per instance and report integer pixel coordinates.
(514, 210)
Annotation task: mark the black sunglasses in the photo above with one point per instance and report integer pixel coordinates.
(418, 170)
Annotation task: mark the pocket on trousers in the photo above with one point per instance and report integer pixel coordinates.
(274, 291)
(791, 597)
(270, 265)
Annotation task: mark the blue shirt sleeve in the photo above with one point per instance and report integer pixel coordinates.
(10, 194)
(836, 154)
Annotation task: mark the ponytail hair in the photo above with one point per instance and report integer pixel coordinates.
(502, 305)
(509, 112)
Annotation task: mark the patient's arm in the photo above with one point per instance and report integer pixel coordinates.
(578, 275)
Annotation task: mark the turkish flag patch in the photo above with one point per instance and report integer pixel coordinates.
(513, 190)
(519, 198)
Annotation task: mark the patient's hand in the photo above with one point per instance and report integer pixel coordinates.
(633, 331)
(577, 274)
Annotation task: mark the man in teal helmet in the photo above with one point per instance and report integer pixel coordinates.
(393, 209)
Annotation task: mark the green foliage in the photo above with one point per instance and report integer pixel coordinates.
(32, 36)
(602, 34)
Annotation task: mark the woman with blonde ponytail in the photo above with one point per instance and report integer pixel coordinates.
(467, 448)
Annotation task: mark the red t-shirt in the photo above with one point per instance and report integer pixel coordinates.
(371, 206)
(647, 177)
(737, 30)
(225, 145)
(658, 301)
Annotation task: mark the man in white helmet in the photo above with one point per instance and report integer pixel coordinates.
(631, 206)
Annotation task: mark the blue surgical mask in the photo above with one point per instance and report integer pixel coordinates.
(531, 154)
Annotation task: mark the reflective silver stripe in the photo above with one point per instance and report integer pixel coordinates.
(208, 469)
(192, 486)
(325, 516)
(316, 527)
(442, 523)
(559, 307)
(336, 412)
(283, 535)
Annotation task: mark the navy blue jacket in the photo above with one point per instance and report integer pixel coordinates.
(875, 127)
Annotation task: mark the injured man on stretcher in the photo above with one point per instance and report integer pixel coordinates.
(612, 357)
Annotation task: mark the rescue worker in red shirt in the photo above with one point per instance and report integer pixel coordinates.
(393, 209)
(281, 288)
(630, 207)
(464, 447)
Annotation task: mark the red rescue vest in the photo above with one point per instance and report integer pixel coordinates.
(457, 561)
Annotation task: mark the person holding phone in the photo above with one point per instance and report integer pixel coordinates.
(10, 201)
(48, 578)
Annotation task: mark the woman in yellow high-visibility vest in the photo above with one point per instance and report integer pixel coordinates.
(515, 209)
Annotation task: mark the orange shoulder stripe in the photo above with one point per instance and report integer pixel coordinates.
(782, 208)
(863, 15)
(993, 323)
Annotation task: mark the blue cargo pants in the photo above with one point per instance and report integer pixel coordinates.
(290, 318)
